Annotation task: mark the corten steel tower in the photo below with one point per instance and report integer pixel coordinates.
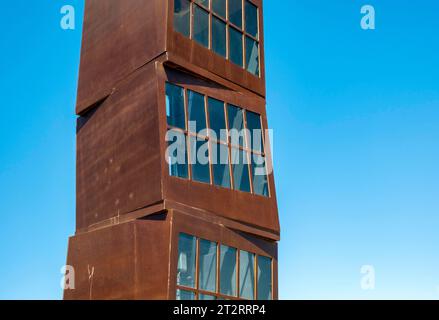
(147, 227)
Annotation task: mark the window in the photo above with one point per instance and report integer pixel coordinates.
(254, 125)
(220, 164)
(259, 175)
(215, 143)
(215, 21)
(217, 119)
(246, 275)
(177, 154)
(203, 2)
(199, 152)
(264, 278)
(186, 261)
(240, 170)
(185, 295)
(196, 112)
(235, 40)
(251, 56)
(236, 125)
(228, 271)
(182, 17)
(200, 257)
(175, 106)
(219, 45)
(207, 266)
(251, 19)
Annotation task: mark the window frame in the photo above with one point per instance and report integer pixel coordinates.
(246, 148)
(217, 294)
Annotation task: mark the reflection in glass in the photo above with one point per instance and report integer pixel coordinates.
(207, 265)
(206, 297)
(259, 175)
(220, 165)
(236, 125)
(177, 154)
(235, 12)
(252, 56)
(196, 112)
(182, 17)
(251, 19)
(264, 278)
(219, 37)
(201, 26)
(235, 46)
(175, 106)
(186, 260)
(240, 170)
(219, 7)
(217, 119)
(199, 155)
(255, 130)
(185, 295)
(246, 275)
(228, 271)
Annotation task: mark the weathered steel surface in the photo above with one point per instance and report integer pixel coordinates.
(126, 261)
(129, 210)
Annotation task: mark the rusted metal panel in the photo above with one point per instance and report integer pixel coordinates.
(118, 152)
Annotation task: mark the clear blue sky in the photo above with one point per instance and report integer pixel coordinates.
(355, 116)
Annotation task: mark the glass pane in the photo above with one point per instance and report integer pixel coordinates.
(251, 19)
(246, 275)
(219, 37)
(185, 295)
(220, 165)
(252, 56)
(206, 297)
(207, 265)
(228, 271)
(255, 131)
(177, 154)
(235, 46)
(236, 125)
(240, 170)
(235, 12)
(217, 119)
(196, 112)
(182, 17)
(203, 2)
(175, 106)
(200, 159)
(219, 7)
(259, 174)
(264, 278)
(201, 26)
(186, 260)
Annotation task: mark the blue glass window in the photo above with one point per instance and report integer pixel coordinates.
(201, 26)
(182, 23)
